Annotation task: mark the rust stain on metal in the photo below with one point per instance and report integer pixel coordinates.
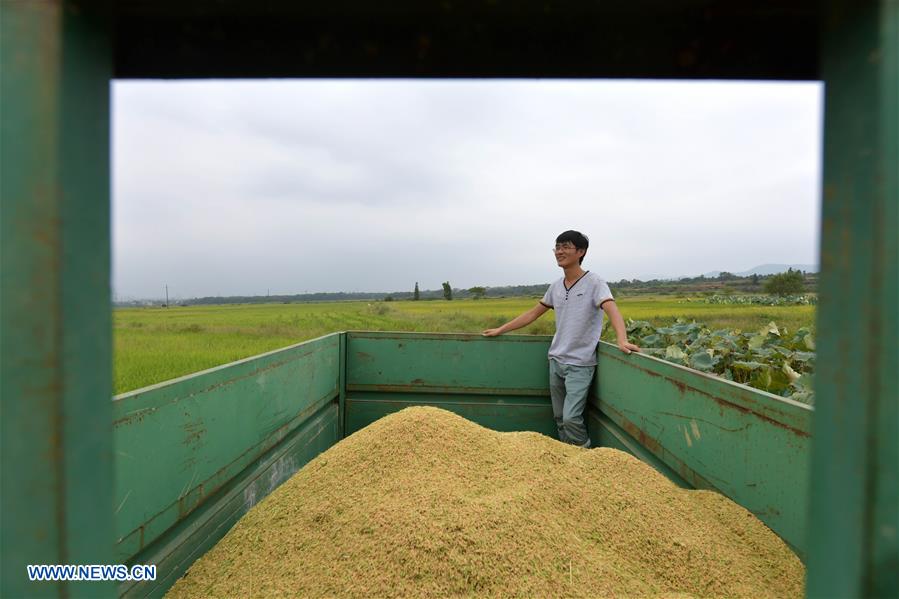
(195, 430)
(190, 500)
(727, 404)
(642, 369)
(364, 356)
(769, 511)
(254, 373)
(130, 419)
(417, 381)
(695, 429)
(648, 442)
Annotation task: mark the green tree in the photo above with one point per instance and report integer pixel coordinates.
(478, 292)
(416, 296)
(785, 283)
(447, 291)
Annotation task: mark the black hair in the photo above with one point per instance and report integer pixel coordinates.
(577, 239)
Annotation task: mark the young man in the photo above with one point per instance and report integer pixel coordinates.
(579, 298)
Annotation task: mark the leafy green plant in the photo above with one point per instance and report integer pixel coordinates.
(770, 359)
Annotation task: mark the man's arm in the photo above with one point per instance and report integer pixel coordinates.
(617, 323)
(518, 322)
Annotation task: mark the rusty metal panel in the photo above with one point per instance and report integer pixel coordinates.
(750, 445)
(56, 367)
(854, 520)
(177, 443)
(447, 363)
(180, 546)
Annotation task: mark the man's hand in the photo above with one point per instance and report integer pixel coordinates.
(627, 347)
(517, 322)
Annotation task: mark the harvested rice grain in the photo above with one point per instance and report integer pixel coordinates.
(426, 503)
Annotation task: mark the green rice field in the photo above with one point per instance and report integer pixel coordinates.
(153, 345)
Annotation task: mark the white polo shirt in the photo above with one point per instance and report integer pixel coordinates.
(578, 318)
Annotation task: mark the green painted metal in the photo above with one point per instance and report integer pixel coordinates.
(749, 445)
(854, 520)
(56, 372)
(341, 433)
(54, 307)
(179, 442)
(435, 363)
(501, 413)
(180, 546)
(500, 383)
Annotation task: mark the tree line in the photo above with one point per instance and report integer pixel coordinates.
(787, 283)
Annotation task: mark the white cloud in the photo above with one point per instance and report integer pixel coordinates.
(240, 187)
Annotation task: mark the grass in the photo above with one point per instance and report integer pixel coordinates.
(157, 344)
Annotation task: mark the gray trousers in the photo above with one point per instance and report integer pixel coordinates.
(568, 387)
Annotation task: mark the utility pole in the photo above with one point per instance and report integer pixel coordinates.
(166, 296)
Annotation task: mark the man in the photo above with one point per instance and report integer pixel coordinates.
(579, 298)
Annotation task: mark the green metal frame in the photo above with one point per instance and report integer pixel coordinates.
(855, 465)
(55, 352)
(55, 315)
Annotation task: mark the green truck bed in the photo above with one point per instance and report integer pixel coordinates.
(193, 455)
(226, 437)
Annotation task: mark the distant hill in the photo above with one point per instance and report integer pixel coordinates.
(766, 269)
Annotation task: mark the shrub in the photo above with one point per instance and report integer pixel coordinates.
(785, 283)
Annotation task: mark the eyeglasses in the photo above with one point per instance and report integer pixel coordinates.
(565, 247)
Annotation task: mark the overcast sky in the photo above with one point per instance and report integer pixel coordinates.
(237, 188)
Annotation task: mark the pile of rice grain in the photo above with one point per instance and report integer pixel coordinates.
(424, 502)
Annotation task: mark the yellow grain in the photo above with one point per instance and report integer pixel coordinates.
(426, 503)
